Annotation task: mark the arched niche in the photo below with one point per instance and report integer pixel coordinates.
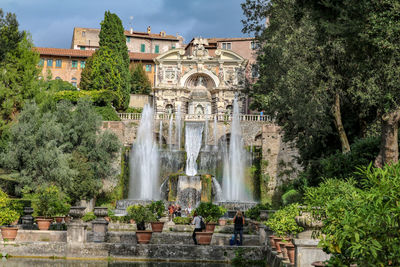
(212, 79)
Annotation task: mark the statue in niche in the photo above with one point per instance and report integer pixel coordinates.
(200, 82)
(199, 110)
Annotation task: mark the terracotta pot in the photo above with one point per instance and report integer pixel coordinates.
(59, 219)
(318, 263)
(204, 238)
(210, 227)
(276, 241)
(9, 233)
(290, 252)
(222, 222)
(157, 226)
(143, 236)
(44, 224)
(272, 242)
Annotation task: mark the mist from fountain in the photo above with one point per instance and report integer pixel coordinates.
(160, 135)
(215, 131)
(170, 132)
(144, 161)
(193, 141)
(206, 134)
(233, 182)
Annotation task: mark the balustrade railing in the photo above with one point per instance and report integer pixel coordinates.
(197, 117)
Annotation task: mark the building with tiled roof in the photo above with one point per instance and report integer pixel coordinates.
(67, 64)
(137, 42)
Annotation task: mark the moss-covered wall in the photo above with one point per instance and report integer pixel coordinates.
(206, 188)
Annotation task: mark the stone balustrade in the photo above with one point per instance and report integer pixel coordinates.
(197, 117)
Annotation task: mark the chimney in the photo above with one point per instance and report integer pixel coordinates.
(148, 29)
(131, 30)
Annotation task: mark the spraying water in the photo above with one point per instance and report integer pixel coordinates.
(178, 130)
(193, 138)
(206, 134)
(160, 135)
(144, 160)
(215, 131)
(233, 185)
(170, 133)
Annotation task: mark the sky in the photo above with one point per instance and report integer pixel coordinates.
(51, 22)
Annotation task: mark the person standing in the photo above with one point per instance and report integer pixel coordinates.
(238, 221)
(197, 226)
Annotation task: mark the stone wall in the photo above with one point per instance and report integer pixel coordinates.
(138, 101)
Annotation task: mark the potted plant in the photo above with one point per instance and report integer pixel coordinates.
(50, 201)
(141, 215)
(157, 208)
(7, 217)
(210, 213)
(284, 225)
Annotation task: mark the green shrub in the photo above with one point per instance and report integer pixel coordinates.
(140, 214)
(182, 220)
(254, 212)
(283, 223)
(50, 202)
(133, 110)
(291, 196)
(7, 214)
(108, 113)
(89, 216)
(210, 212)
(98, 97)
(157, 208)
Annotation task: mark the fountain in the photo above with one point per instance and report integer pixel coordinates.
(144, 161)
(178, 127)
(233, 184)
(193, 137)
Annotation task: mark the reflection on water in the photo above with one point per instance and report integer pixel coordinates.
(25, 262)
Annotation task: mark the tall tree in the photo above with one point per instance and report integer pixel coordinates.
(10, 35)
(371, 30)
(139, 80)
(108, 68)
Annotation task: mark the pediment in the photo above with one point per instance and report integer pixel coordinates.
(173, 54)
(228, 55)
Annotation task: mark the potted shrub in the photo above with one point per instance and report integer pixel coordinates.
(141, 215)
(182, 220)
(50, 201)
(7, 217)
(210, 213)
(284, 225)
(157, 208)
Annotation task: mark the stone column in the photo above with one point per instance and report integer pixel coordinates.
(100, 225)
(76, 231)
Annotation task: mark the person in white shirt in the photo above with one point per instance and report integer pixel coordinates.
(197, 226)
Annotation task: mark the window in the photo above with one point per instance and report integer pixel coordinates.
(83, 34)
(73, 81)
(74, 64)
(173, 47)
(255, 45)
(41, 62)
(82, 47)
(227, 46)
(128, 39)
(142, 48)
(49, 63)
(157, 49)
(83, 64)
(254, 71)
(148, 67)
(58, 63)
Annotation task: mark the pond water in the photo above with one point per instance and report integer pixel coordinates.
(26, 262)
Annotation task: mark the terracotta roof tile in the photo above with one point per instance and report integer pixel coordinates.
(151, 35)
(87, 53)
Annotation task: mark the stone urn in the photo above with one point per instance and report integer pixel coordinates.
(204, 238)
(9, 233)
(222, 221)
(76, 213)
(101, 212)
(266, 214)
(143, 236)
(157, 226)
(210, 226)
(309, 224)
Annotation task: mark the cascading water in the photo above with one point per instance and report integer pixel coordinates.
(160, 135)
(170, 132)
(206, 134)
(144, 161)
(233, 183)
(215, 131)
(178, 130)
(193, 137)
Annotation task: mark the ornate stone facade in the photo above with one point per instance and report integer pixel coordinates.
(199, 83)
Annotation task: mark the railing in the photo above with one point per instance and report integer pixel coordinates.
(198, 117)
